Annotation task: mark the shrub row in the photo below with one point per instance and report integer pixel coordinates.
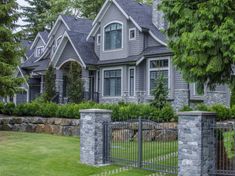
(121, 111)
(223, 112)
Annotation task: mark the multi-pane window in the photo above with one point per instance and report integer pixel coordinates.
(131, 81)
(132, 34)
(113, 36)
(198, 89)
(39, 51)
(112, 83)
(158, 68)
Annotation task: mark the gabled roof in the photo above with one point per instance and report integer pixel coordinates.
(84, 49)
(41, 35)
(139, 14)
(75, 24)
(44, 35)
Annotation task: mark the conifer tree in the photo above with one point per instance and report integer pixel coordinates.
(75, 83)
(49, 84)
(160, 93)
(10, 49)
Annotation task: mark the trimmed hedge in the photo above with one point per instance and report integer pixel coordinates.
(223, 112)
(121, 111)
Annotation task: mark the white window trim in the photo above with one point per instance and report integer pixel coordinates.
(157, 69)
(58, 38)
(102, 78)
(119, 49)
(97, 40)
(129, 91)
(195, 93)
(132, 29)
(36, 54)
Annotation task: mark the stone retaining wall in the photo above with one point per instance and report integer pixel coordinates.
(58, 126)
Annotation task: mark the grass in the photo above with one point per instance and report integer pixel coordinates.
(27, 154)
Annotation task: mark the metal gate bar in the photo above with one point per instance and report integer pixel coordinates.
(145, 144)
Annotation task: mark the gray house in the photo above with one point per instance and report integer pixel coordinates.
(121, 53)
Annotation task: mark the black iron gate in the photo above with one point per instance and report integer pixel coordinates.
(142, 143)
(224, 134)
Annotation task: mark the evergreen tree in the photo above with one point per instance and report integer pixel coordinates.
(42, 14)
(10, 49)
(34, 17)
(202, 36)
(49, 84)
(75, 83)
(160, 93)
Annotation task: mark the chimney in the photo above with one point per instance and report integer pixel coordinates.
(158, 16)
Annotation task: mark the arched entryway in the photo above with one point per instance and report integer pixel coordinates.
(63, 79)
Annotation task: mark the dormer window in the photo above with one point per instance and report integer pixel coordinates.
(98, 39)
(39, 51)
(113, 36)
(132, 34)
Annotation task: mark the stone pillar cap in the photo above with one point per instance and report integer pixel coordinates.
(95, 111)
(196, 113)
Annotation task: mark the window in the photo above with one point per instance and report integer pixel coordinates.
(157, 68)
(39, 51)
(131, 82)
(112, 83)
(198, 89)
(58, 40)
(132, 34)
(113, 36)
(98, 39)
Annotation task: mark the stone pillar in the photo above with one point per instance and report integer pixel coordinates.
(59, 84)
(91, 135)
(196, 143)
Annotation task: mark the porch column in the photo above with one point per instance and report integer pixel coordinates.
(85, 78)
(42, 84)
(197, 145)
(59, 84)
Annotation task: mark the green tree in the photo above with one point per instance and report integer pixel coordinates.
(42, 14)
(49, 84)
(75, 83)
(202, 36)
(232, 87)
(10, 49)
(160, 93)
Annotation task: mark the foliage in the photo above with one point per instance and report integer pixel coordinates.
(202, 107)
(160, 93)
(120, 112)
(186, 108)
(202, 37)
(222, 112)
(232, 87)
(75, 83)
(233, 112)
(41, 15)
(8, 109)
(229, 143)
(49, 84)
(1, 107)
(10, 49)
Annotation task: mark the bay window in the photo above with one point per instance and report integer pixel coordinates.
(157, 68)
(112, 83)
(113, 36)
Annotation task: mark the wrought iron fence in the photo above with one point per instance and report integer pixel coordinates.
(142, 143)
(225, 149)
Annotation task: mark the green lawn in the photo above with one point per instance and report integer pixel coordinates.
(26, 154)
